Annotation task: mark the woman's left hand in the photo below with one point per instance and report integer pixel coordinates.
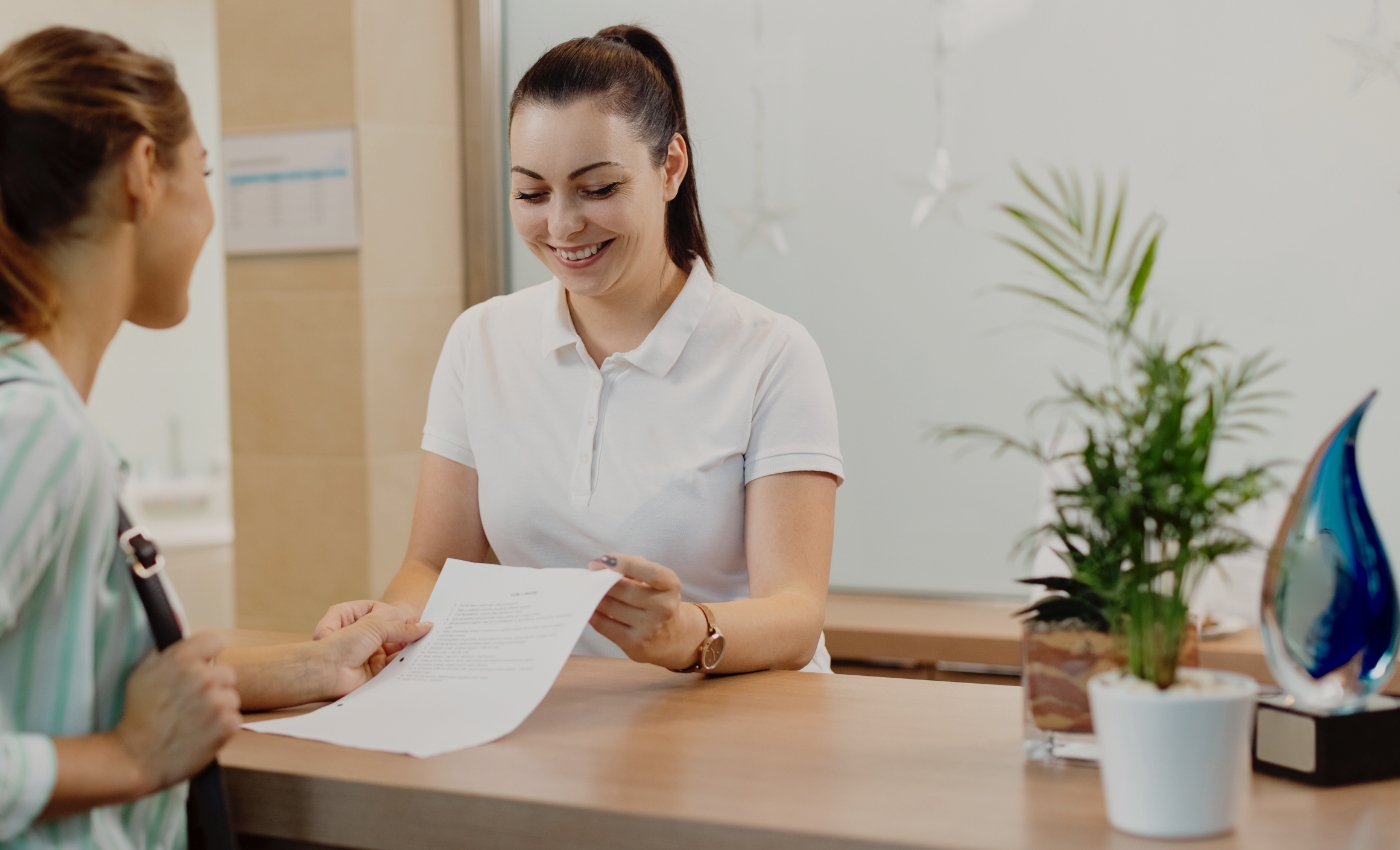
(643, 613)
(358, 652)
(316, 670)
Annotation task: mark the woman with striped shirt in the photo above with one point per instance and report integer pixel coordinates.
(103, 211)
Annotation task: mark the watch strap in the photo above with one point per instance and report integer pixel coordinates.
(710, 632)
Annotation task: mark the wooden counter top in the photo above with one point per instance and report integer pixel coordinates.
(930, 629)
(623, 755)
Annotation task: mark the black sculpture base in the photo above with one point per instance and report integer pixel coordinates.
(1327, 749)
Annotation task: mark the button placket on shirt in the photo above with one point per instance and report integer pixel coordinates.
(585, 468)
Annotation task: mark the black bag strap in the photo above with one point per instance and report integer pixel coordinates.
(146, 565)
(207, 811)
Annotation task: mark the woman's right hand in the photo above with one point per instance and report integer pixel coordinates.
(180, 708)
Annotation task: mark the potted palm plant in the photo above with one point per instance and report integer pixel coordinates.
(1143, 512)
(1066, 641)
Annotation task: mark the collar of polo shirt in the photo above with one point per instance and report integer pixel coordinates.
(662, 347)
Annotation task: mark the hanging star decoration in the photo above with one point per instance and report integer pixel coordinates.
(758, 220)
(761, 221)
(940, 191)
(1375, 52)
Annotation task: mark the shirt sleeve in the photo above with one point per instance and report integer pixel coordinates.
(445, 432)
(28, 771)
(40, 461)
(794, 419)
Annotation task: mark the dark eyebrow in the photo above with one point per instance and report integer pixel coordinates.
(579, 171)
(575, 173)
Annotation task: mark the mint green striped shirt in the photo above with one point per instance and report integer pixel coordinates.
(71, 625)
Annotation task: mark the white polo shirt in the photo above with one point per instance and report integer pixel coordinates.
(647, 455)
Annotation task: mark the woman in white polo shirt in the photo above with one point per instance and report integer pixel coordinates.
(630, 406)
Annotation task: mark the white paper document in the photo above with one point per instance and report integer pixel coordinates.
(500, 637)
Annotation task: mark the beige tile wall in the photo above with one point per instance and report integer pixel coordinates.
(400, 47)
(331, 355)
(393, 477)
(339, 272)
(411, 268)
(403, 337)
(285, 63)
(302, 526)
(296, 373)
(203, 577)
(410, 222)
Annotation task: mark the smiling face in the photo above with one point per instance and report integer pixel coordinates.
(587, 198)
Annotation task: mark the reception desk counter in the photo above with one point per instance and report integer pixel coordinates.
(927, 631)
(622, 755)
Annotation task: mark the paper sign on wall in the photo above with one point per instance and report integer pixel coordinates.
(290, 192)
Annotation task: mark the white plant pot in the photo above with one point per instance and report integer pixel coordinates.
(1174, 763)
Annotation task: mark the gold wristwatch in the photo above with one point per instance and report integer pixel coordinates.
(711, 649)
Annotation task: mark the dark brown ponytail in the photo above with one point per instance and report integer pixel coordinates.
(71, 103)
(632, 74)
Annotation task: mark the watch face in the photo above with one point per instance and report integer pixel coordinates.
(714, 651)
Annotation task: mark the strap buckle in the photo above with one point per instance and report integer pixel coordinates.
(141, 554)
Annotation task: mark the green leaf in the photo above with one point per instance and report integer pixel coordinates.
(1113, 228)
(1149, 257)
(1057, 609)
(1053, 328)
(1048, 299)
(1054, 238)
(1000, 441)
(1077, 186)
(1098, 213)
(1130, 257)
(1067, 209)
(1037, 191)
(1061, 583)
(1049, 266)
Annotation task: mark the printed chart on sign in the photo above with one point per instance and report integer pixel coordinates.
(290, 192)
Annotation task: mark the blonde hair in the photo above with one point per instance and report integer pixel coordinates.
(72, 102)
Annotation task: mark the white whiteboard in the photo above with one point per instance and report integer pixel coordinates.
(1235, 121)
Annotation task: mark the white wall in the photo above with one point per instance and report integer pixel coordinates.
(1234, 120)
(150, 378)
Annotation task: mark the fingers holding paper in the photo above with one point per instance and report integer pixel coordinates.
(345, 614)
(643, 613)
(360, 650)
(326, 669)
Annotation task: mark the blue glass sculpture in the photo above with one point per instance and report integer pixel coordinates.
(1329, 619)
